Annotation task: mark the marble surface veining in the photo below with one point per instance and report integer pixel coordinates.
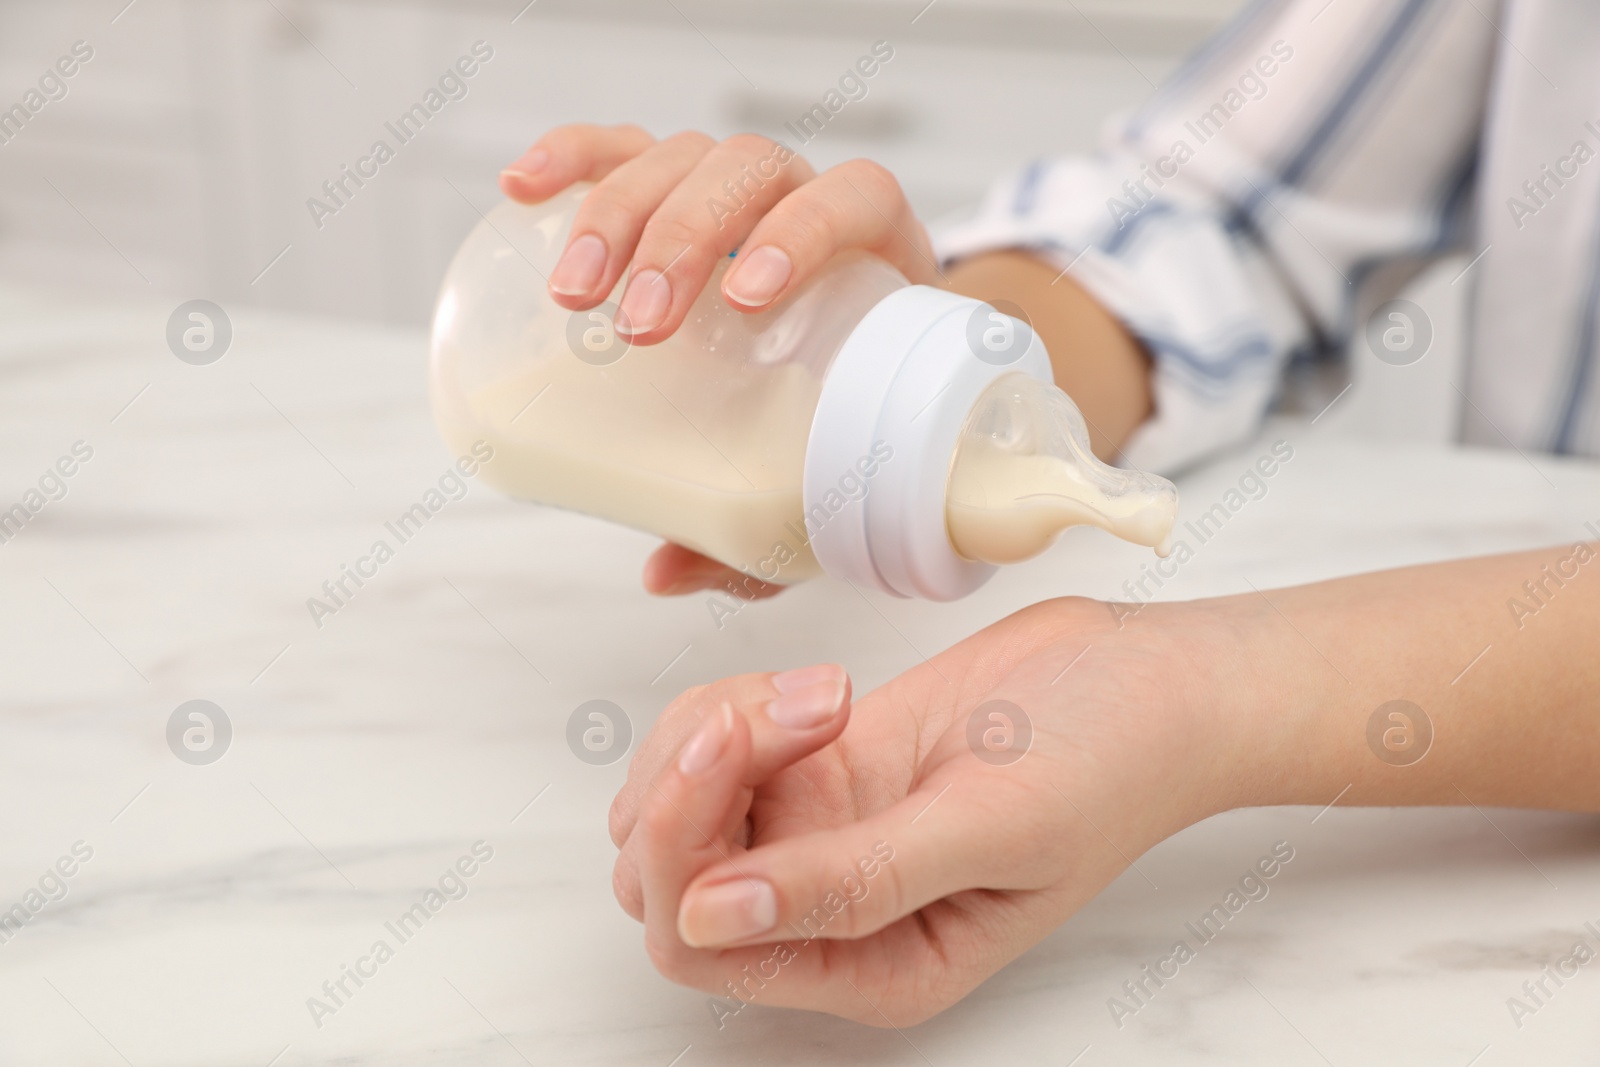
(426, 716)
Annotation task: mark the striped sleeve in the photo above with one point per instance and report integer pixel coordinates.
(1230, 222)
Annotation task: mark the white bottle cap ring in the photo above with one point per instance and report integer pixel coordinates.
(885, 430)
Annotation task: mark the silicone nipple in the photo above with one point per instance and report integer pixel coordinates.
(1023, 472)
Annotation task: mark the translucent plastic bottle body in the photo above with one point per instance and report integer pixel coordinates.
(723, 438)
(700, 438)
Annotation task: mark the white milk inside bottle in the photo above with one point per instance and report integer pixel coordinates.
(862, 427)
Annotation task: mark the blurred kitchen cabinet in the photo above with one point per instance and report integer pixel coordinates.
(186, 155)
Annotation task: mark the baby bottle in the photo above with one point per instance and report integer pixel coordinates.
(893, 435)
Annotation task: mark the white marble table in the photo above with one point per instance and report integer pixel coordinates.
(428, 713)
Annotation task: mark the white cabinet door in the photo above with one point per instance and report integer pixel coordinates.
(188, 152)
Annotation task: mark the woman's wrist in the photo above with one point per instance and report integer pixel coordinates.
(1238, 696)
(1189, 672)
(1251, 699)
(1405, 687)
(1276, 695)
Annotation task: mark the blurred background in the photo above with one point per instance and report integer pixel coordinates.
(181, 160)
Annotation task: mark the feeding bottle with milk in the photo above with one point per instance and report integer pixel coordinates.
(894, 435)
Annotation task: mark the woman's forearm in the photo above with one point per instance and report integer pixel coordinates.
(1498, 659)
(1096, 361)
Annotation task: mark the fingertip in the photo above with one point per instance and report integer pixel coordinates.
(575, 302)
(579, 271)
(801, 677)
(703, 778)
(734, 911)
(810, 697)
(673, 570)
(660, 569)
(516, 186)
(526, 189)
(660, 581)
(758, 277)
(626, 887)
(715, 755)
(655, 583)
(645, 314)
(619, 821)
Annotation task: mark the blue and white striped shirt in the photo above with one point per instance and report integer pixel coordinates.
(1313, 152)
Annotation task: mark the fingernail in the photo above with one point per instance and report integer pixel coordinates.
(578, 270)
(733, 911)
(707, 743)
(644, 303)
(758, 276)
(680, 586)
(808, 707)
(529, 165)
(801, 677)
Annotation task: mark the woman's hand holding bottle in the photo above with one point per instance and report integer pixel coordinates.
(666, 212)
